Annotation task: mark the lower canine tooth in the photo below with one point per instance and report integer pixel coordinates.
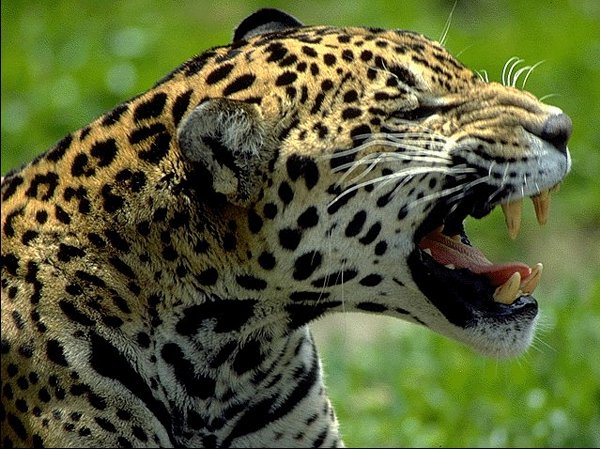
(529, 284)
(541, 204)
(508, 292)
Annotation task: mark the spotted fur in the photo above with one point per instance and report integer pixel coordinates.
(160, 266)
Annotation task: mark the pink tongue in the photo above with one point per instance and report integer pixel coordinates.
(447, 251)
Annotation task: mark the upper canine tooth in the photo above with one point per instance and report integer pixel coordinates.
(541, 203)
(512, 217)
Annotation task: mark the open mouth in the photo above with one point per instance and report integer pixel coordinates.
(458, 278)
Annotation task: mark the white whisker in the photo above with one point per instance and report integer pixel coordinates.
(510, 70)
(460, 188)
(373, 159)
(444, 35)
(517, 74)
(379, 157)
(494, 193)
(458, 54)
(491, 168)
(503, 76)
(409, 172)
(387, 139)
(545, 97)
(531, 69)
(483, 75)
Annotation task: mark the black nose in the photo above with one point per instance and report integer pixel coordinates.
(557, 131)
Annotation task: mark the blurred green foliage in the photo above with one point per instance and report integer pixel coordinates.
(66, 62)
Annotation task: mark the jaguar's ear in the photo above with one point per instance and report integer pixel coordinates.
(266, 20)
(228, 138)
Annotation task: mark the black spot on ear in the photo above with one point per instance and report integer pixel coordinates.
(266, 20)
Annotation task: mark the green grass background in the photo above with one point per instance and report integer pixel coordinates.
(393, 384)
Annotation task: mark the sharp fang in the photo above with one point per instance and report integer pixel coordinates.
(529, 284)
(427, 250)
(512, 217)
(450, 266)
(508, 292)
(541, 203)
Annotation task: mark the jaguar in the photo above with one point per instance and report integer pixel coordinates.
(161, 265)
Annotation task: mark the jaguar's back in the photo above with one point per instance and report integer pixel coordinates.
(160, 266)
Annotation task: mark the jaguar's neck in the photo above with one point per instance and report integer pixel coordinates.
(225, 388)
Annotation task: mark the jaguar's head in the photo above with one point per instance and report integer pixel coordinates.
(349, 158)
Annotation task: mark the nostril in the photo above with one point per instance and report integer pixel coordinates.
(557, 131)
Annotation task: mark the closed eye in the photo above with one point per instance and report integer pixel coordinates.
(419, 113)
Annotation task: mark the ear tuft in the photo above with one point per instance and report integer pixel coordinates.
(227, 137)
(266, 20)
